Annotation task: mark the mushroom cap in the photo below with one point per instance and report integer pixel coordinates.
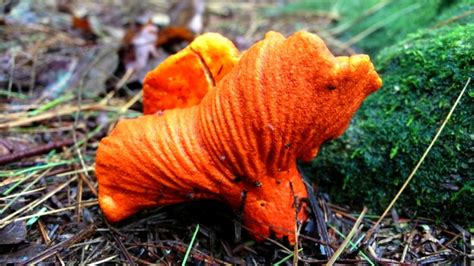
(184, 78)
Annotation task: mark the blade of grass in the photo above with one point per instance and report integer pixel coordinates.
(10, 173)
(11, 94)
(19, 182)
(51, 104)
(354, 246)
(278, 263)
(33, 204)
(25, 189)
(347, 239)
(190, 246)
(35, 218)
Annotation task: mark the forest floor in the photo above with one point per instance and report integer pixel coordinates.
(68, 74)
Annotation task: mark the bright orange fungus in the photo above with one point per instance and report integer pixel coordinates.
(239, 144)
(183, 79)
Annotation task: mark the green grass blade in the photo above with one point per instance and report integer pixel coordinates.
(286, 258)
(361, 253)
(190, 246)
(9, 173)
(51, 104)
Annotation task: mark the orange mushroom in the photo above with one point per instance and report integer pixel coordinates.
(239, 145)
(184, 78)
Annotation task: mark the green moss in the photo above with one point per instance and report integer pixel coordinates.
(422, 77)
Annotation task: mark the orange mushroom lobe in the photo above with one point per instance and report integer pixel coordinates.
(237, 136)
(183, 79)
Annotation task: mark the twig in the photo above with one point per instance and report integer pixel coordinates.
(89, 184)
(115, 234)
(318, 217)
(103, 261)
(296, 250)
(51, 114)
(413, 172)
(450, 20)
(131, 102)
(68, 110)
(73, 172)
(278, 244)
(44, 233)
(315, 240)
(16, 156)
(123, 249)
(61, 246)
(348, 238)
(124, 78)
(47, 240)
(407, 245)
(181, 248)
(94, 253)
(80, 188)
(84, 204)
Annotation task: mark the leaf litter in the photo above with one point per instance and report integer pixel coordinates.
(65, 80)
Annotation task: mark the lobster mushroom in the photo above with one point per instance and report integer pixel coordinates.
(239, 143)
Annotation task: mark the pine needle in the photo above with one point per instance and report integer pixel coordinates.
(286, 258)
(348, 238)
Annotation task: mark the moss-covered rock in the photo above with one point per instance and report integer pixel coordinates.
(422, 76)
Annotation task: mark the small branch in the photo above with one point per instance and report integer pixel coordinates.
(61, 246)
(318, 218)
(67, 110)
(16, 156)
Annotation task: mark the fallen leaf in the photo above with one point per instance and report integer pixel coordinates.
(23, 253)
(13, 233)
